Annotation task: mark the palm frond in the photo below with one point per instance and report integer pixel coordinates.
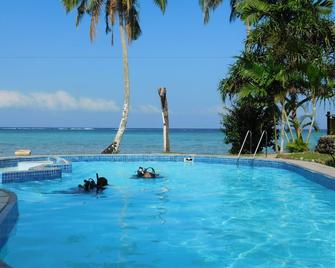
(94, 10)
(132, 24)
(82, 9)
(70, 4)
(207, 6)
(161, 4)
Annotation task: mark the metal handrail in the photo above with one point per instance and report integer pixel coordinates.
(259, 142)
(245, 139)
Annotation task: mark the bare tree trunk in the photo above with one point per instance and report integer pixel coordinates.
(275, 130)
(248, 27)
(313, 120)
(114, 147)
(165, 117)
(282, 133)
(288, 125)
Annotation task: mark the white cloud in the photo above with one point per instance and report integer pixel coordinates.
(148, 109)
(58, 100)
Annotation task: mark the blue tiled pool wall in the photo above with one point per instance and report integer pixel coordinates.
(8, 218)
(49, 171)
(61, 163)
(12, 162)
(31, 175)
(319, 178)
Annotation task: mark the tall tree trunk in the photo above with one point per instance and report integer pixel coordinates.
(275, 130)
(288, 125)
(282, 133)
(313, 120)
(114, 147)
(296, 124)
(248, 26)
(165, 117)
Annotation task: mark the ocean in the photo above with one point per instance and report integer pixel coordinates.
(93, 140)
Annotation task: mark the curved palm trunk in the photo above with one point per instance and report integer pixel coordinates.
(282, 132)
(275, 130)
(313, 120)
(114, 147)
(288, 125)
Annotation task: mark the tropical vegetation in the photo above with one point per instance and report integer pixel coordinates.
(288, 58)
(248, 114)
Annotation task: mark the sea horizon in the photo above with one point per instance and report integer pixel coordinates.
(109, 128)
(115, 128)
(91, 140)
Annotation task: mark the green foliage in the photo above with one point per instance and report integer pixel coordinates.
(250, 114)
(161, 4)
(125, 11)
(289, 57)
(297, 146)
(326, 145)
(330, 162)
(210, 5)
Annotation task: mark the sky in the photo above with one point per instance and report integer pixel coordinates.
(51, 75)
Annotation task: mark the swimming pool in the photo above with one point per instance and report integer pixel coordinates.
(198, 215)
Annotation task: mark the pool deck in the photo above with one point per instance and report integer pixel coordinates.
(311, 166)
(8, 217)
(4, 197)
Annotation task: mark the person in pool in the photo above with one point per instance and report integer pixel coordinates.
(146, 173)
(89, 186)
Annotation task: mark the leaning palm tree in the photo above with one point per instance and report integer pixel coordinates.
(126, 14)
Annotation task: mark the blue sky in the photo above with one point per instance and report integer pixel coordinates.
(52, 75)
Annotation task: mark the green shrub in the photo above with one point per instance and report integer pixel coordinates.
(330, 162)
(297, 146)
(249, 114)
(326, 145)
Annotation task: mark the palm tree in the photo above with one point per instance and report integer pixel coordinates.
(254, 77)
(125, 13)
(210, 5)
(320, 84)
(279, 34)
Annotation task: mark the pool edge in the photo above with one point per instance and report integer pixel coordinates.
(8, 218)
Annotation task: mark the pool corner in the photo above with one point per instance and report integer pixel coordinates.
(8, 214)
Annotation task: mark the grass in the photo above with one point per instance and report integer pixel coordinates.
(308, 156)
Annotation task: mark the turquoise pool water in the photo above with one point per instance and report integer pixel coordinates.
(199, 215)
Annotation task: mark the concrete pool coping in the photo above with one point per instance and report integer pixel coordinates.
(311, 166)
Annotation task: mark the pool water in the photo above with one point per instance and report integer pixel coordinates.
(198, 215)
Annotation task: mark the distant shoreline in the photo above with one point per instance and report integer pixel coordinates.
(97, 128)
(105, 128)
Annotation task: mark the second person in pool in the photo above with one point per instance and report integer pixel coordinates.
(146, 173)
